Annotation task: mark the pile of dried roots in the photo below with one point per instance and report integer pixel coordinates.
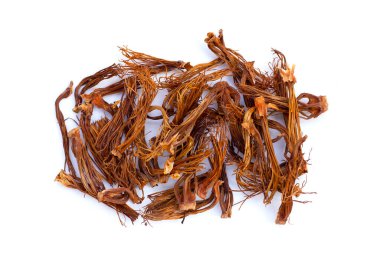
(204, 119)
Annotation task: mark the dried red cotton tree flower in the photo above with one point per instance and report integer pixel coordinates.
(203, 118)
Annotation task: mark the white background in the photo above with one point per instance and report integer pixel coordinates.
(335, 46)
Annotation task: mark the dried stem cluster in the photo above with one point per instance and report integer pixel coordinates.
(204, 118)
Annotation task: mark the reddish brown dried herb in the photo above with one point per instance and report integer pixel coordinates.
(203, 118)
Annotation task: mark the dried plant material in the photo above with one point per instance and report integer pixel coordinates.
(287, 74)
(169, 165)
(61, 121)
(203, 118)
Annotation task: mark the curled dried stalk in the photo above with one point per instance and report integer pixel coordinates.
(203, 118)
(164, 205)
(61, 121)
